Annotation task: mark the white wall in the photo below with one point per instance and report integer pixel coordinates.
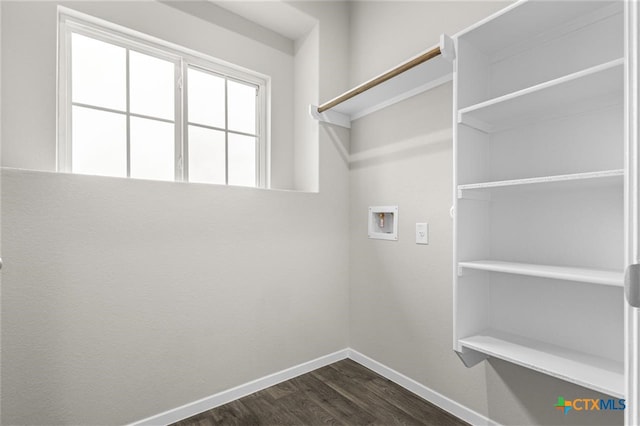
(332, 62)
(29, 73)
(305, 128)
(125, 298)
(122, 299)
(400, 292)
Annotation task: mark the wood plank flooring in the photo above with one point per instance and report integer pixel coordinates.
(343, 393)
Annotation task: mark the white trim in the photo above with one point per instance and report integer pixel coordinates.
(224, 397)
(63, 98)
(163, 46)
(183, 58)
(489, 18)
(447, 404)
(632, 183)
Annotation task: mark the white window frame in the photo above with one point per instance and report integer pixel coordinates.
(71, 21)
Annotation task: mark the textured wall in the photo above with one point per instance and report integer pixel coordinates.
(125, 298)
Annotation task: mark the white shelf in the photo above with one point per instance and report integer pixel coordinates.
(419, 79)
(410, 82)
(586, 90)
(524, 22)
(568, 181)
(593, 276)
(593, 372)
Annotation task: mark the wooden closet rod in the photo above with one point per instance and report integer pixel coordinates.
(381, 79)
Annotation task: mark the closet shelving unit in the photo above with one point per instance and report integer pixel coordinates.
(539, 191)
(418, 74)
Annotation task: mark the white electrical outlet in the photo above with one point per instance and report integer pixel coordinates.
(422, 233)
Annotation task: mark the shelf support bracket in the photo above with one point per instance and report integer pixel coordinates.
(475, 123)
(470, 357)
(330, 117)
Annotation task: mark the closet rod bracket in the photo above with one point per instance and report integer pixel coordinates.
(447, 47)
(330, 117)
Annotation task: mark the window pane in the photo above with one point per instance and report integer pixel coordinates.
(242, 160)
(152, 149)
(206, 155)
(152, 86)
(206, 98)
(242, 107)
(99, 142)
(98, 73)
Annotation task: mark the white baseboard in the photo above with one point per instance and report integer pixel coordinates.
(447, 404)
(224, 397)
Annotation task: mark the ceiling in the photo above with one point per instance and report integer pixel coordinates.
(275, 15)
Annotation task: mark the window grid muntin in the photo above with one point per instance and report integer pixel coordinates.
(140, 48)
(226, 129)
(71, 21)
(128, 106)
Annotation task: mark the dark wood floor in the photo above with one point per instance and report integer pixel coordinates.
(344, 393)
